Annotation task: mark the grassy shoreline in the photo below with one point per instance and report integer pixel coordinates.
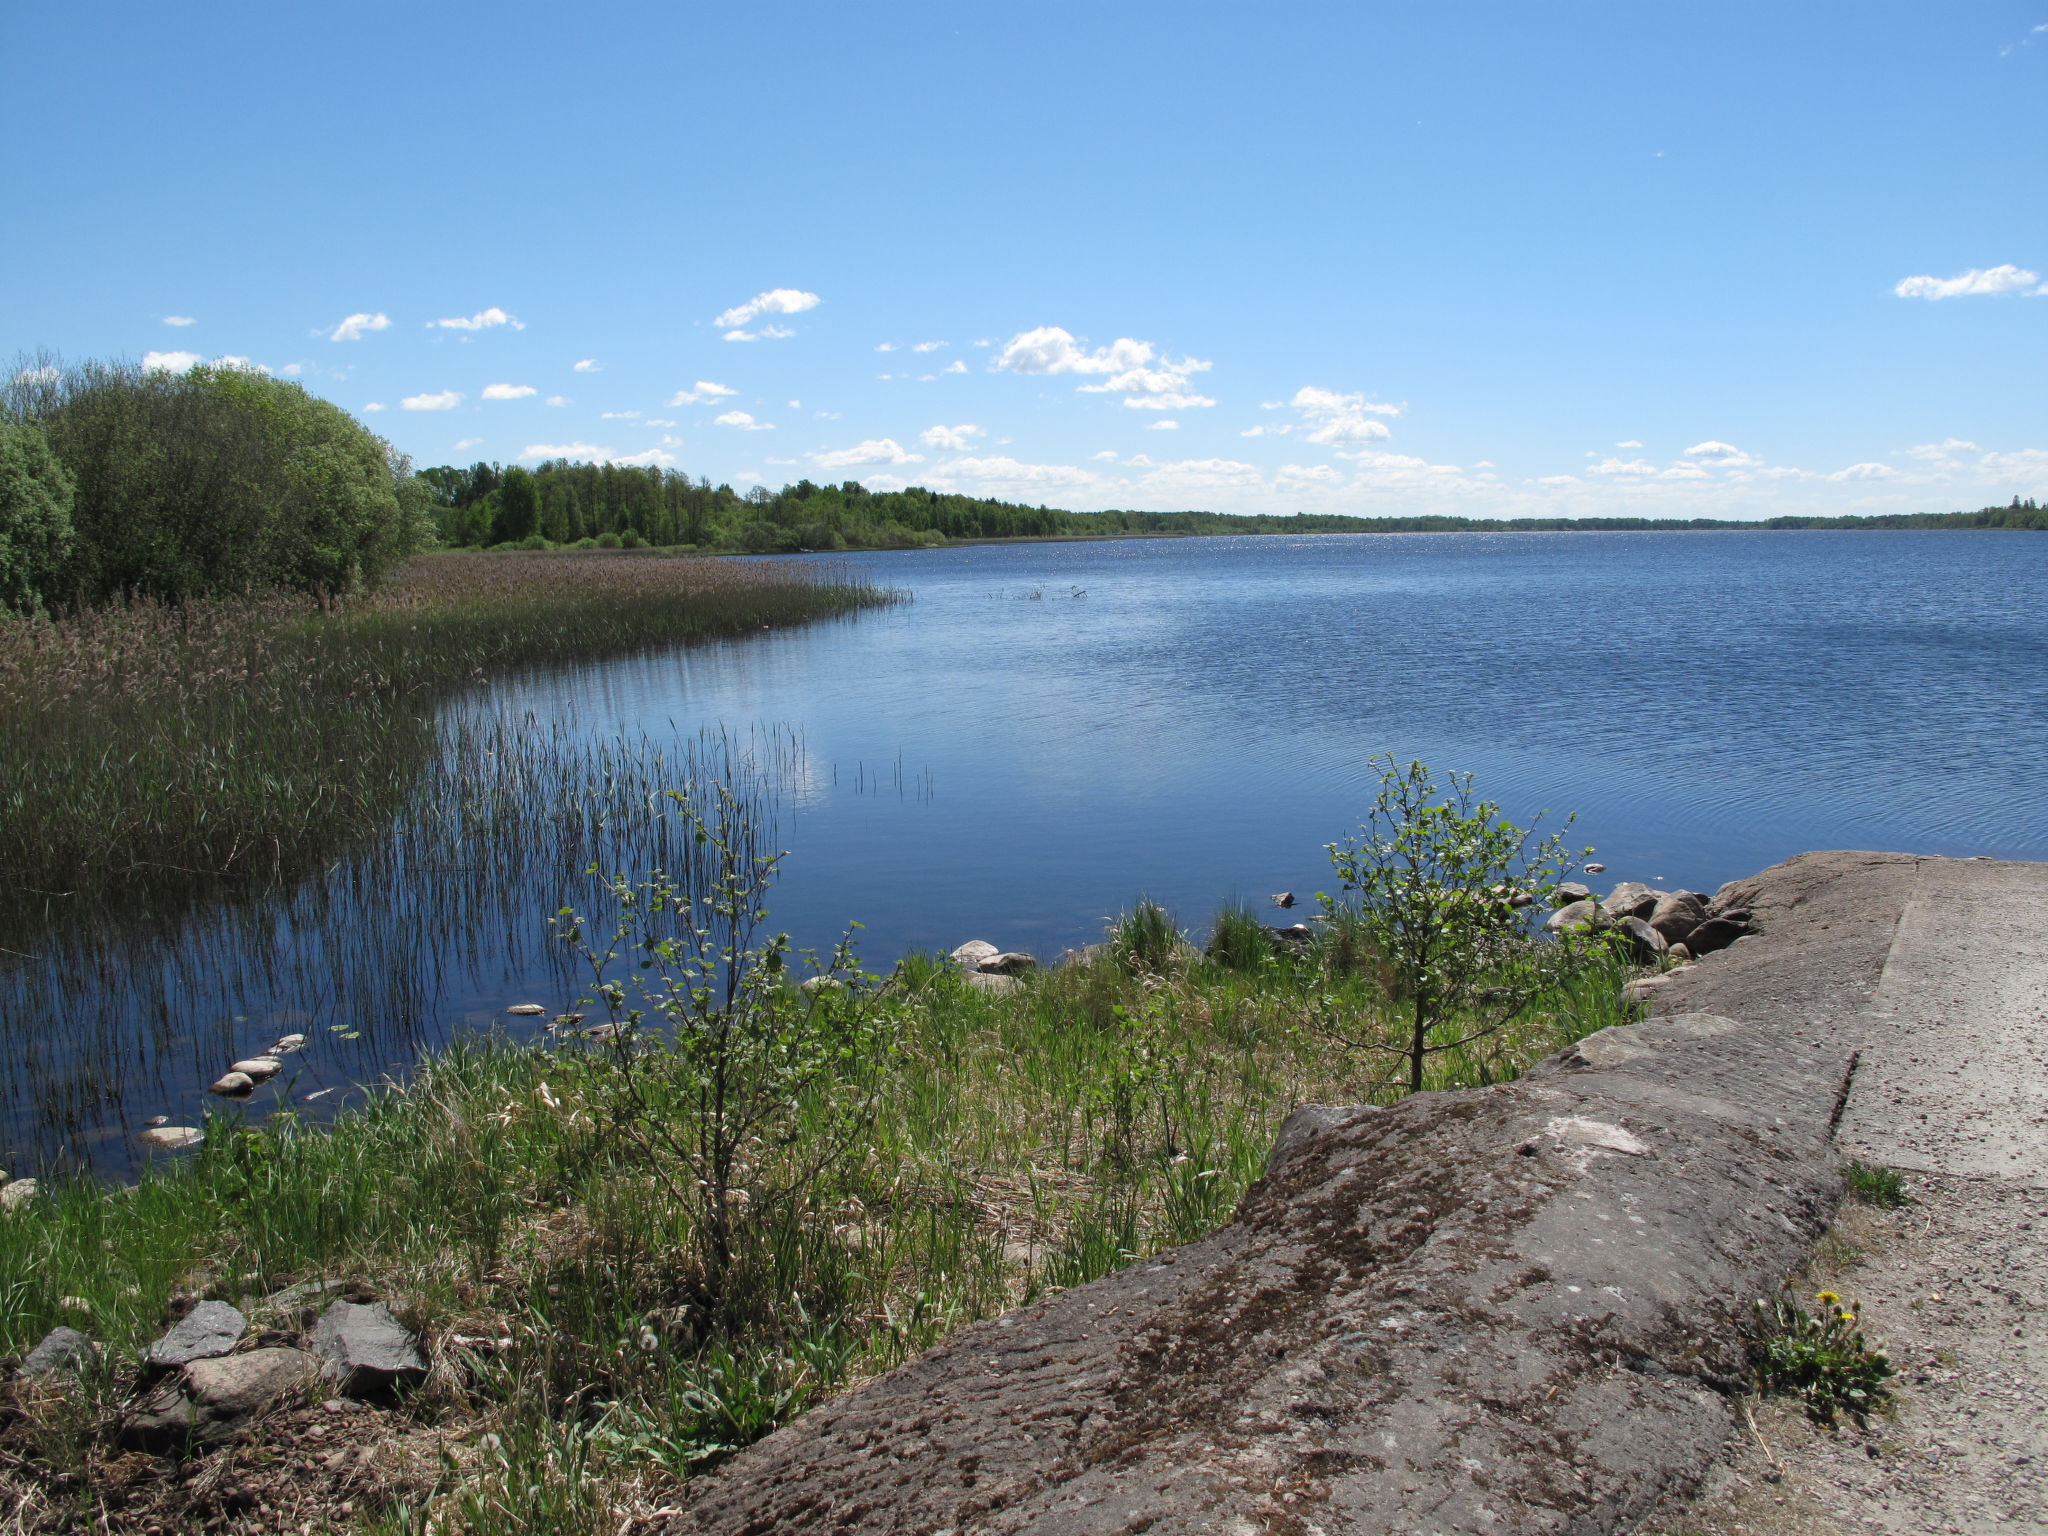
(1021, 1142)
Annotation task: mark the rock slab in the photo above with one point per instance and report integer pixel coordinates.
(62, 1352)
(209, 1329)
(364, 1350)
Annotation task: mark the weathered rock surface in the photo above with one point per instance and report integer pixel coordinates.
(211, 1328)
(1010, 963)
(211, 1398)
(1579, 914)
(983, 981)
(1677, 914)
(229, 1084)
(258, 1069)
(1645, 942)
(970, 955)
(1715, 933)
(364, 1350)
(1491, 1311)
(17, 1193)
(62, 1352)
(1568, 891)
(1631, 898)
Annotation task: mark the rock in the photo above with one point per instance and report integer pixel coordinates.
(811, 986)
(528, 1009)
(286, 1044)
(1584, 915)
(258, 1069)
(1010, 963)
(1641, 989)
(1565, 892)
(1715, 933)
(155, 1120)
(234, 1386)
(1631, 898)
(63, 1352)
(1291, 940)
(1087, 954)
(1596, 869)
(1283, 898)
(1644, 942)
(983, 981)
(232, 1084)
(209, 1329)
(171, 1138)
(1307, 1121)
(1520, 899)
(1680, 951)
(1677, 914)
(365, 1350)
(164, 1422)
(972, 953)
(17, 1194)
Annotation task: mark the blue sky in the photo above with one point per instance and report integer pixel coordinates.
(1501, 259)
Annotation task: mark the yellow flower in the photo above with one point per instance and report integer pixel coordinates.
(1827, 1298)
(1848, 1317)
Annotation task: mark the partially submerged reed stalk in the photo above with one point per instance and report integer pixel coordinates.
(152, 751)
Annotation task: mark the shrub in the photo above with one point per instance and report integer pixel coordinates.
(1824, 1360)
(631, 539)
(35, 517)
(607, 540)
(1874, 1185)
(1238, 940)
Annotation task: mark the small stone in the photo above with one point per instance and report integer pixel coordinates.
(1578, 915)
(234, 1386)
(1631, 898)
(209, 1329)
(1010, 963)
(1715, 933)
(156, 1120)
(232, 1084)
(258, 1069)
(63, 1352)
(171, 1138)
(811, 986)
(364, 1349)
(1644, 942)
(286, 1044)
(1596, 869)
(1565, 892)
(1283, 898)
(972, 953)
(526, 1008)
(17, 1194)
(1679, 951)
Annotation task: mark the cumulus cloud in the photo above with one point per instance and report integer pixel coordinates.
(1001, 471)
(1631, 443)
(1863, 472)
(588, 365)
(774, 301)
(1164, 426)
(880, 450)
(1721, 455)
(1978, 280)
(467, 442)
(446, 400)
(357, 325)
(374, 405)
(1614, 466)
(558, 400)
(482, 320)
(950, 439)
(887, 346)
(1108, 456)
(928, 346)
(508, 391)
(179, 320)
(743, 421)
(649, 458)
(766, 333)
(584, 452)
(1130, 367)
(1335, 420)
(657, 421)
(703, 392)
(171, 362)
(955, 366)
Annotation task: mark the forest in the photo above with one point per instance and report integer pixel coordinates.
(614, 506)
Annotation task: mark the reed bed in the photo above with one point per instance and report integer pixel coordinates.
(1019, 1144)
(151, 751)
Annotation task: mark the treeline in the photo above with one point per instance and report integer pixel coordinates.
(120, 481)
(613, 505)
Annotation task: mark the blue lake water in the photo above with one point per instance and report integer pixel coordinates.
(1046, 731)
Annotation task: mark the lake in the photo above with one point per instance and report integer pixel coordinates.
(1044, 732)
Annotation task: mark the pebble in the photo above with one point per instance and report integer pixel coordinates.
(258, 1068)
(526, 1008)
(232, 1083)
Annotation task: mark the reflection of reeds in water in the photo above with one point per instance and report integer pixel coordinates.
(377, 957)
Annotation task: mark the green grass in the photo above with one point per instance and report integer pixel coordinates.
(1876, 1185)
(1020, 1143)
(155, 751)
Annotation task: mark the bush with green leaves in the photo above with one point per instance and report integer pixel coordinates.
(35, 517)
(1431, 883)
(219, 479)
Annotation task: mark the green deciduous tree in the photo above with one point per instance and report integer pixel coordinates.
(35, 517)
(1433, 877)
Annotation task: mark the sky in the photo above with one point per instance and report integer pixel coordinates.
(1499, 259)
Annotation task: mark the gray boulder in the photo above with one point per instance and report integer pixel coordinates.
(970, 955)
(983, 981)
(1631, 898)
(171, 1138)
(1715, 933)
(1580, 914)
(63, 1352)
(211, 1399)
(209, 1329)
(1305, 1122)
(17, 1193)
(1565, 892)
(1644, 942)
(364, 1350)
(1010, 963)
(1677, 914)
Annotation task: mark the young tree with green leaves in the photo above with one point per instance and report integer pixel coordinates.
(35, 517)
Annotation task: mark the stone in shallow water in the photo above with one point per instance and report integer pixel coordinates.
(209, 1329)
(258, 1068)
(229, 1084)
(364, 1349)
(526, 1008)
(171, 1137)
(17, 1194)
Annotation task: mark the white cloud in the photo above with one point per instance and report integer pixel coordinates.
(292, 370)
(585, 452)
(928, 346)
(1107, 456)
(1132, 368)
(887, 346)
(958, 365)
(179, 320)
(703, 392)
(1163, 426)
(375, 405)
(618, 415)
(743, 421)
(467, 442)
(1721, 455)
(767, 332)
(1863, 472)
(171, 362)
(1310, 474)
(1002, 471)
(649, 458)
(1614, 466)
(1978, 280)
(508, 391)
(775, 301)
(883, 450)
(483, 320)
(656, 421)
(1631, 443)
(353, 328)
(588, 365)
(558, 400)
(1336, 420)
(446, 400)
(950, 439)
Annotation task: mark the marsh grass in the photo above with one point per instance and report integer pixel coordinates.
(153, 751)
(1021, 1143)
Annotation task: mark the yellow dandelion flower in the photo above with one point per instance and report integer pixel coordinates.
(1827, 1298)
